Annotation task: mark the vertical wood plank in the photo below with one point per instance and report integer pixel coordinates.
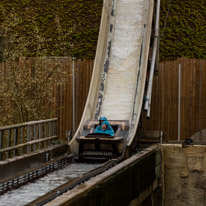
(28, 139)
(203, 94)
(200, 86)
(79, 91)
(1, 144)
(15, 140)
(70, 100)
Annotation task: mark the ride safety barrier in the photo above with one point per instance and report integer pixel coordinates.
(27, 137)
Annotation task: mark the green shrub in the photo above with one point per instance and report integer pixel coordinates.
(70, 28)
(184, 33)
(50, 27)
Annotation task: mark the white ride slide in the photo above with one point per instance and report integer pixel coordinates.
(119, 73)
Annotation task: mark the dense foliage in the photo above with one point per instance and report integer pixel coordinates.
(70, 28)
(184, 33)
(50, 27)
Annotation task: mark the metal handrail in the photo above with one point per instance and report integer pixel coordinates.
(154, 52)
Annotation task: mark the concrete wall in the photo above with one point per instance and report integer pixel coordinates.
(184, 175)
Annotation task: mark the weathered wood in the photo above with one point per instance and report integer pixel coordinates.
(23, 137)
(193, 99)
(28, 144)
(27, 124)
(164, 106)
(1, 143)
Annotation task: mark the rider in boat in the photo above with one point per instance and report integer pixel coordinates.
(105, 127)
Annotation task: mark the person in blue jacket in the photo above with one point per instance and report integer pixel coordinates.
(98, 128)
(105, 128)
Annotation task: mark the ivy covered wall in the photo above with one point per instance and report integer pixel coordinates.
(184, 33)
(70, 28)
(50, 27)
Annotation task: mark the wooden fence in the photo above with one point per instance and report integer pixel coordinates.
(64, 96)
(164, 110)
(33, 80)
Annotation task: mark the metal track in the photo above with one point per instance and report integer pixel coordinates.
(33, 174)
(70, 185)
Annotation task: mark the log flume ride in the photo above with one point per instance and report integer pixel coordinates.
(118, 80)
(116, 89)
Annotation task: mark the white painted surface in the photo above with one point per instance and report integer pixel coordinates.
(124, 59)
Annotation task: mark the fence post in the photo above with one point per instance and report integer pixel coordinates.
(179, 99)
(8, 143)
(28, 139)
(15, 139)
(73, 92)
(34, 132)
(45, 134)
(54, 128)
(40, 135)
(21, 139)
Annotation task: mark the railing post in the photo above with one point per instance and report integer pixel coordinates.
(8, 143)
(179, 100)
(54, 127)
(44, 134)
(15, 139)
(40, 135)
(28, 139)
(34, 147)
(49, 133)
(21, 139)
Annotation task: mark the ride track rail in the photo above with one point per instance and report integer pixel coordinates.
(71, 184)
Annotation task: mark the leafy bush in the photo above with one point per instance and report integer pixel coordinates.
(70, 28)
(50, 27)
(184, 31)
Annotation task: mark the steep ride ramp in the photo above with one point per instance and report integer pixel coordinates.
(119, 91)
(119, 73)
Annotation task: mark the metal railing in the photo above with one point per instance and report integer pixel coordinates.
(26, 137)
(154, 53)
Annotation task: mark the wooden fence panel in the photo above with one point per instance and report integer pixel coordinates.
(164, 110)
(83, 72)
(61, 90)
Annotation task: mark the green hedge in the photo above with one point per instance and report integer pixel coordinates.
(52, 27)
(185, 30)
(70, 27)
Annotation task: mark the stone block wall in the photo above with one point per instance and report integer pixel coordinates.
(184, 175)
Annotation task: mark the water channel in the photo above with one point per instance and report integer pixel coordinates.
(32, 191)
